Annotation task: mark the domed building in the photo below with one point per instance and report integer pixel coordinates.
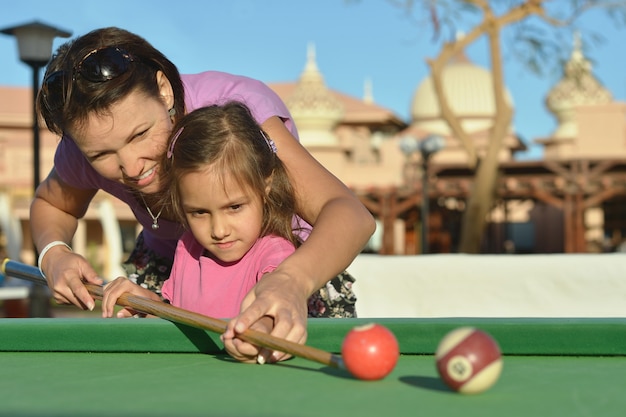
(588, 147)
(362, 144)
(540, 207)
(347, 134)
(580, 103)
(469, 89)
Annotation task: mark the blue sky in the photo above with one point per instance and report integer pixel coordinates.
(267, 39)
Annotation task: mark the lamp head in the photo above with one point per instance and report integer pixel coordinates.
(408, 145)
(34, 41)
(431, 144)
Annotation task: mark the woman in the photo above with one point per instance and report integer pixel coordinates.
(114, 99)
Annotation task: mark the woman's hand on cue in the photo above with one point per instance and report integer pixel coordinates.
(275, 296)
(66, 273)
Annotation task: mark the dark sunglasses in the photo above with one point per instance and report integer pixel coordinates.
(99, 65)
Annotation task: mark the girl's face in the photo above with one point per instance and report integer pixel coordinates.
(224, 217)
(126, 144)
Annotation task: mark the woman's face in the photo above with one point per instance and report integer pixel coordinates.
(126, 144)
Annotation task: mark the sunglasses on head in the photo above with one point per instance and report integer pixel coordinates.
(99, 65)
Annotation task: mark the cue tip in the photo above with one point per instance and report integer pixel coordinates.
(4, 265)
(337, 362)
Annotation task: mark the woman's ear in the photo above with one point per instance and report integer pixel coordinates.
(165, 89)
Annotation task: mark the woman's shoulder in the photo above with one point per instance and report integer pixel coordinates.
(218, 80)
(215, 87)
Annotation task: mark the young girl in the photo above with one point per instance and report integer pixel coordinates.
(232, 191)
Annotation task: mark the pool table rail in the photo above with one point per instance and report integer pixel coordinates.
(516, 336)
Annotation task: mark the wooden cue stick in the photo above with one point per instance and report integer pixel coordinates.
(178, 315)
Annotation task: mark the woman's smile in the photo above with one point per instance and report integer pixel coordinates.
(147, 177)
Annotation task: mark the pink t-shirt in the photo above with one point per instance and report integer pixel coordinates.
(204, 285)
(210, 87)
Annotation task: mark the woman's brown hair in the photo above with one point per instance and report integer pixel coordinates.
(75, 97)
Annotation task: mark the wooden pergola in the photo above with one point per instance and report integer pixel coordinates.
(571, 186)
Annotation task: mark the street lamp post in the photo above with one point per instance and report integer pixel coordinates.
(427, 147)
(34, 41)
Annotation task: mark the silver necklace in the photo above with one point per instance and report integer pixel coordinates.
(155, 219)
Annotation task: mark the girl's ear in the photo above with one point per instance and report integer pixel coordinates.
(165, 89)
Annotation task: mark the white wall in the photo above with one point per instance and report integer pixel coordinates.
(457, 285)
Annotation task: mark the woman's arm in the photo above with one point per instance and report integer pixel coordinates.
(54, 214)
(342, 224)
(342, 227)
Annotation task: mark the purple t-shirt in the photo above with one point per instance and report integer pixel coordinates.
(207, 88)
(201, 284)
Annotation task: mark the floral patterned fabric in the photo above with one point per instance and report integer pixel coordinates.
(146, 268)
(335, 300)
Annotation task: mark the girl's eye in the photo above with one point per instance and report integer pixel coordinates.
(236, 207)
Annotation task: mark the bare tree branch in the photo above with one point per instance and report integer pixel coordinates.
(534, 37)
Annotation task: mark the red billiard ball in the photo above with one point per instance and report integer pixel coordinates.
(370, 352)
(469, 360)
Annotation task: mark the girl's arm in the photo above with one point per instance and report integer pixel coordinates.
(114, 289)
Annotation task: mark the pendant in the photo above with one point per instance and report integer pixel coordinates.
(155, 225)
